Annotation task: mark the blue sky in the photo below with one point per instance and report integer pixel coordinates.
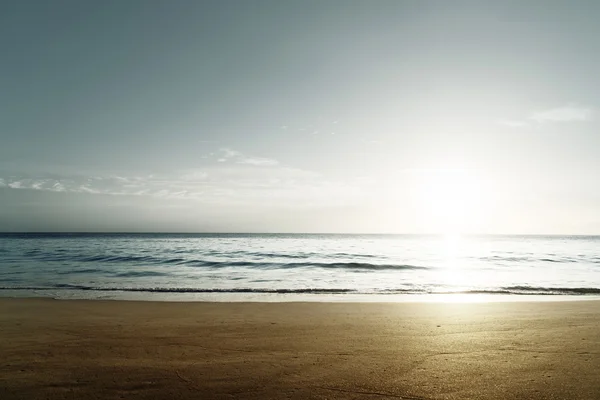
(300, 116)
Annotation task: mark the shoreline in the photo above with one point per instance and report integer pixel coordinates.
(232, 297)
(138, 349)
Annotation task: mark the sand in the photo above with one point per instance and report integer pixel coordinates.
(51, 349)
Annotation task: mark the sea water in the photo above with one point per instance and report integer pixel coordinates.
(296, 267)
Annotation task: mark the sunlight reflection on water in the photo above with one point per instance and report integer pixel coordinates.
(303, 266)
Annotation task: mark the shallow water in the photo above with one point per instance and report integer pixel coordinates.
(251, 266)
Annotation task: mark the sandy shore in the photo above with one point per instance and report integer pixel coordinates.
(53, 349)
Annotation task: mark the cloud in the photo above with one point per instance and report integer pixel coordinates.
(87, 189)
(16, 185)
(266, 162)
(239, 183)
(227, 154)
(194, 175)
(53, 185)
(568, 113)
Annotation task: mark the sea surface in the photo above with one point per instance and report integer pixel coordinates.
(281, 267)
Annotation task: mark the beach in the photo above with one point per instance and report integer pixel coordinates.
(71, 349)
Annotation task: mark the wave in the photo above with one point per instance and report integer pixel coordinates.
(191, 262)
(272, 265)
(544, 290)
(137, 274)
(125, 259)
(182, 290)
(274, 260)
(526, 259)
(511, 290)
(79, 271)
(304, 255)
(97, 258)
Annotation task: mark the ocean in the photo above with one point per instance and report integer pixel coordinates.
(286, 267)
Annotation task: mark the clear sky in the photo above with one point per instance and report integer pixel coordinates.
(300, 116)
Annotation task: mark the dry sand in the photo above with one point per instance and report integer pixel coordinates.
(52, 349)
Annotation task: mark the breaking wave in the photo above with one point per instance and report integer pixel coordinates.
(512, 290)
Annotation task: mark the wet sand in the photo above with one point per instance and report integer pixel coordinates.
(51, 349)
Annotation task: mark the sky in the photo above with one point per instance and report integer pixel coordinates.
(401, 116)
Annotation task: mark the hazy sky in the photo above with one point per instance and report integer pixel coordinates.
(300, 116)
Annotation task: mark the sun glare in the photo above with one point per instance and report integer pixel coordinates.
(451, 200)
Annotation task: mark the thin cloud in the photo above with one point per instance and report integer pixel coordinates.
(87, 189)
(227, 154)
(315, 128)
(565, 114)
(59, 187)
(259, 161)
(223, 184)
(16, 185)
(569, 113)
(194, 176)
(53, 185)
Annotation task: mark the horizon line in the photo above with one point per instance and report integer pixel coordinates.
(287, 233)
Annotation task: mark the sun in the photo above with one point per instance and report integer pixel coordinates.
(450, 200)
